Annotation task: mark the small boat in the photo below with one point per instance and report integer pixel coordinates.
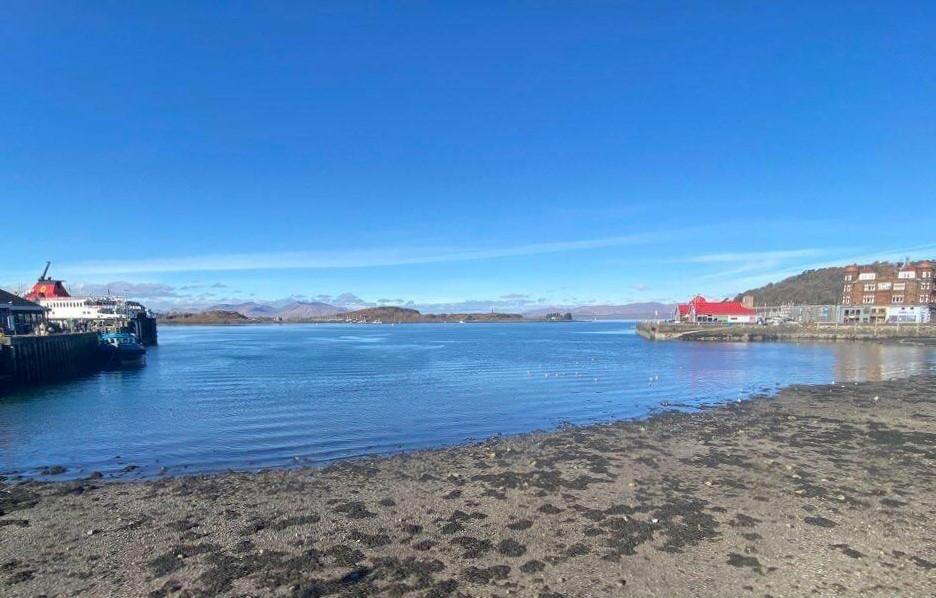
(121, 348)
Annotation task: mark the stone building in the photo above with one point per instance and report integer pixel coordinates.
(889, 295)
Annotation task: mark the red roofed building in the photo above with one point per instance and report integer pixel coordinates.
(702, 311)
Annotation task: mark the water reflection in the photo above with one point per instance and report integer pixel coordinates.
(874, 362)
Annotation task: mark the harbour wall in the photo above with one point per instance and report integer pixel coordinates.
(814, 332)
(36, 359)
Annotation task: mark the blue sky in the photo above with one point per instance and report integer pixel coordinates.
(438, 152)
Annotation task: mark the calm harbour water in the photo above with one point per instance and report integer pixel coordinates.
(217, 398)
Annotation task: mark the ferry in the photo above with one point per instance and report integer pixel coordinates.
(96, 309)
(106, 314)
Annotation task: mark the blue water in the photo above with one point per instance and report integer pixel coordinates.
(217, 398)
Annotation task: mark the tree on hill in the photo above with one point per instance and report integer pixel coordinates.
(812, 287)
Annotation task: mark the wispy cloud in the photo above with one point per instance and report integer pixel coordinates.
(311, 260)
(770, 273)
(734, 257)
(736, 264)
(145, 290)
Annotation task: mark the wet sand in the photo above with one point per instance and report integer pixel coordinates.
(826, 490)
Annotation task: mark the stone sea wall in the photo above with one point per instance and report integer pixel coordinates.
(814, 332)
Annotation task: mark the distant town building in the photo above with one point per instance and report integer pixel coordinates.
(557, 316)
(702, 311)
(901, 294)
(799, 314)
(17, 315)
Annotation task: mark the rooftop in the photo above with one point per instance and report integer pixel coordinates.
(7, 298)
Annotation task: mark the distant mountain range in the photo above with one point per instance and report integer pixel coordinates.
(295, 310)
(310, 310)
(402, 314)
(251, 309)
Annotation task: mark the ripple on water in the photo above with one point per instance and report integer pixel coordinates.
(213, 398)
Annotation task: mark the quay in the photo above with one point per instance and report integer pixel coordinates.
(108, 314)
(32, 359)
(817, 331)
(54, 336)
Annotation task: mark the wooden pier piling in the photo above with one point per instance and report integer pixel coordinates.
(37, 359)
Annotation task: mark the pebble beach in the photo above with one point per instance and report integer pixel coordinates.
(819, 490)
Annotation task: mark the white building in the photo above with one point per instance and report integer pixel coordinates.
(909, 314)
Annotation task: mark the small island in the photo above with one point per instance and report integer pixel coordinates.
(205, 317)
(370, 315)
(400, 315)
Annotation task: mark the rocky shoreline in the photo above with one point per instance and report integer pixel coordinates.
(826, 490)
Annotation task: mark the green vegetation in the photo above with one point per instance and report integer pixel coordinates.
(812, 287)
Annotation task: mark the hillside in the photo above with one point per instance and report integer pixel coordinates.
(383, 314)
(308, 310)
(251, 309)
(812, 287)
(206, 317)
(292, 311)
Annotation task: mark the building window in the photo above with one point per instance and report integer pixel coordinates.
(867, 276)
(870, 287)
(848, 278)
(897, 299)
(884, 286)
(925, 286)
(907, 274)
(927, 275)
(900, 286)
(868, 299)
(846, 300)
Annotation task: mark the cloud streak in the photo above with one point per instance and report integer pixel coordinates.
(144, 290)
(313, 260)
(732, 257)
(766, 275)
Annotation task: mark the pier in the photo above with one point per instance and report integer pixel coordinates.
(30, 359)
(145, 329)
(664, 331)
